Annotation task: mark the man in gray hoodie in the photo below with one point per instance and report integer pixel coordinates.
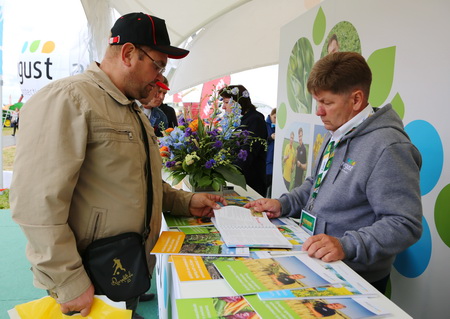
(362, 203)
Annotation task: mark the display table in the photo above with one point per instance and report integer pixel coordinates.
(166, 286)
(170, 288)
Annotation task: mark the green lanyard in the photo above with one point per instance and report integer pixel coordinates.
(326, 162)
(325, 166)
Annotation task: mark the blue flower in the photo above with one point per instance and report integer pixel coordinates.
(245, 133)
(209, 164)
(170, 164)
(174, 139)
(218, 144)
(242, 155)
(182, 121)
(188, 132)
(231, 120)
(214, 132)
(178, 145)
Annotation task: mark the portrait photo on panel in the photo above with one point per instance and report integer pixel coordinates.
(295, 154)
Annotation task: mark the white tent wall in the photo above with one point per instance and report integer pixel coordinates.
(99, 17)
(236, 35)
(242, 39)
(183, 18)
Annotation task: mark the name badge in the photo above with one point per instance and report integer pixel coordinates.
(308, 222)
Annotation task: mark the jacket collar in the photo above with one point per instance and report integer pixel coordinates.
(103, 80)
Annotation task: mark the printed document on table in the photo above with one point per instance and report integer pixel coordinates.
(241, 227)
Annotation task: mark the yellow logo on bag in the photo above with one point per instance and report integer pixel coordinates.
(120, 274)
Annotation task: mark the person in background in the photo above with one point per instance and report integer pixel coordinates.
(95, 185)
(270, 124)
(333, 44)
(158, 120)
(167, 109)
(254, 167)
(300, 159)
(15, 121)
(179, 115)
(363, 199)
(288, 161)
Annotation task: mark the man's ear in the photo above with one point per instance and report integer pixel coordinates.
(127, 53)
(358, 100)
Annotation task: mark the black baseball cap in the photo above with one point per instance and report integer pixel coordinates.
(143, 29)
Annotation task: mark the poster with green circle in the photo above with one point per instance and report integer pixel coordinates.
(299, 67)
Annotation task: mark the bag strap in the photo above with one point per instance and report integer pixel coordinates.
(148, 215)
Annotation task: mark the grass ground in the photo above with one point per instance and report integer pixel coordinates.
(8, 152)
(8, 159)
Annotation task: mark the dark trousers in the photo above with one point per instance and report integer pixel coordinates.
(269, 185)
(381, 284)
(133, 304)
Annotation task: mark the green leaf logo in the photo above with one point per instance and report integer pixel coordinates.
(398, 105)
(382, 63)
(319, 27)
(35, 46)
(282, 115)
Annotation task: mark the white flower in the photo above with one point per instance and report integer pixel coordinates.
(245, 94)
(191, 158)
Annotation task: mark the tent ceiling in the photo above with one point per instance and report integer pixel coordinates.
(236, 35)
(183, 17)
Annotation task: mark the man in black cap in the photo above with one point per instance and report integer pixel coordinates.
(84, 176)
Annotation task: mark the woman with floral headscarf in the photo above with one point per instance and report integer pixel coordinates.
(253, 163)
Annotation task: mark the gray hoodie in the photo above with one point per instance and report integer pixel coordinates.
(370, 199)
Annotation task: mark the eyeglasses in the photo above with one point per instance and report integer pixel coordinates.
(158, 66)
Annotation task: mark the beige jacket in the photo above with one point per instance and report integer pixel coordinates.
(79, 176)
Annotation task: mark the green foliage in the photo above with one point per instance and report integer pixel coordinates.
(300, 64)
(232, 175)
(4, 199)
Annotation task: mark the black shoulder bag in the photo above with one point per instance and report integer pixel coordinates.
(117, 265)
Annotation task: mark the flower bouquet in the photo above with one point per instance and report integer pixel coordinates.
(206, 150)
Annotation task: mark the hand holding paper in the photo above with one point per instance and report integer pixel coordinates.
(271, 206)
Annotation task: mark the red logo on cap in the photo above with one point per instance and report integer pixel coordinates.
(114, 39)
